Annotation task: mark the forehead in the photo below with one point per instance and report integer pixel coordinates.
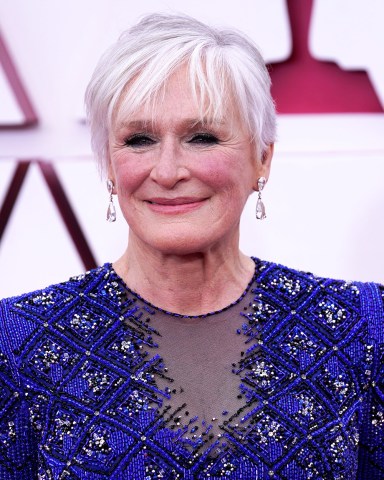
(179, 95)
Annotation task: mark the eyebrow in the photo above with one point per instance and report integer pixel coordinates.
(188, 122)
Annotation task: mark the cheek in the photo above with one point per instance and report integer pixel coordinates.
(229, 175)
(129, 175)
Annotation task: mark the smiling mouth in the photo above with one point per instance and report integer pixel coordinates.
(175, 205)
(175, 201)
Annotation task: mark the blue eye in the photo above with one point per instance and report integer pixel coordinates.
(204, 139)
(138, 141)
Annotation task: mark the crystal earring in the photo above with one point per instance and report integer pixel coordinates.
(260, 207)
(111, 212)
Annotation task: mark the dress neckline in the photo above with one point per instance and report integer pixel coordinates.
(150, 305)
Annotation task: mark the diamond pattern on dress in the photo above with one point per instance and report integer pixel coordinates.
(307, 408)
(51, 360)
(301, 346)
(260, 375)
(336, 384)
(63, 432)
(85, 395)
(286, 285)
(265, 435)
(332, 314)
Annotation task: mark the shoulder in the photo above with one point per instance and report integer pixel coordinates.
(331, 302)
(295, 282)
(22, 314)
(324, 321)
(53, 295)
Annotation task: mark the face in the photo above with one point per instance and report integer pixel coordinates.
(182, 183)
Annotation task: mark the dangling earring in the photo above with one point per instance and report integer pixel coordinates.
(111, 212)
(260, 207)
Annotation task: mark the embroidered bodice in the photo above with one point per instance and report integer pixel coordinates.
(285, 383)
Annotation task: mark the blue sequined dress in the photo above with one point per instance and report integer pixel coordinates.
(285, 383)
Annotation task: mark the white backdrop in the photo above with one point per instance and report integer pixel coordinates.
(325, 197)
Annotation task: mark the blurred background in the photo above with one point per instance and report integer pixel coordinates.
(325, 197)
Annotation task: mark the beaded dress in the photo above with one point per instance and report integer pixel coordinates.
(285, 383)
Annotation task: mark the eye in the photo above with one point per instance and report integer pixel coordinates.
(203, 139)
(139, 140)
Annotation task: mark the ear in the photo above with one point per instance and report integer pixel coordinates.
(264, 164)
(266, 158)
(111, 177)
(111, 173)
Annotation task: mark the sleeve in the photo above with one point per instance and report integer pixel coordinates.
(371, 440)
(18, 449)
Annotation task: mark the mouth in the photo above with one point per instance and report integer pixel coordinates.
(175, 205)
(175, 201)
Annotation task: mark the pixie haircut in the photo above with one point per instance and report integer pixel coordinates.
(221, 64)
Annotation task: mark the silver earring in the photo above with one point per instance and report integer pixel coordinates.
(111, 212)
(260, 207)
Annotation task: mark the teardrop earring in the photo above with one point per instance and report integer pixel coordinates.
(111, 211)
(260, 207)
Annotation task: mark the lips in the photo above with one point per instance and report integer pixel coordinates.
(174, 201)
(178, 205)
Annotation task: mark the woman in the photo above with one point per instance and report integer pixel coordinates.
(185, 358)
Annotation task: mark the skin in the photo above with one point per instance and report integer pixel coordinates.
(182, 186)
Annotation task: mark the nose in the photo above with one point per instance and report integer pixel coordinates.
(169, 165)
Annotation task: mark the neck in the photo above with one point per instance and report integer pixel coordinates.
(191, 284)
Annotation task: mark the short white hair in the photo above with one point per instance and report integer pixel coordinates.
(222, 63)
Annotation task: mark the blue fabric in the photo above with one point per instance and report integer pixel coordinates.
(83, 391)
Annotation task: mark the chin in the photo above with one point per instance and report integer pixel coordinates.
(180, 243)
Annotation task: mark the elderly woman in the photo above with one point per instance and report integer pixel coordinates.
(186, 359)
